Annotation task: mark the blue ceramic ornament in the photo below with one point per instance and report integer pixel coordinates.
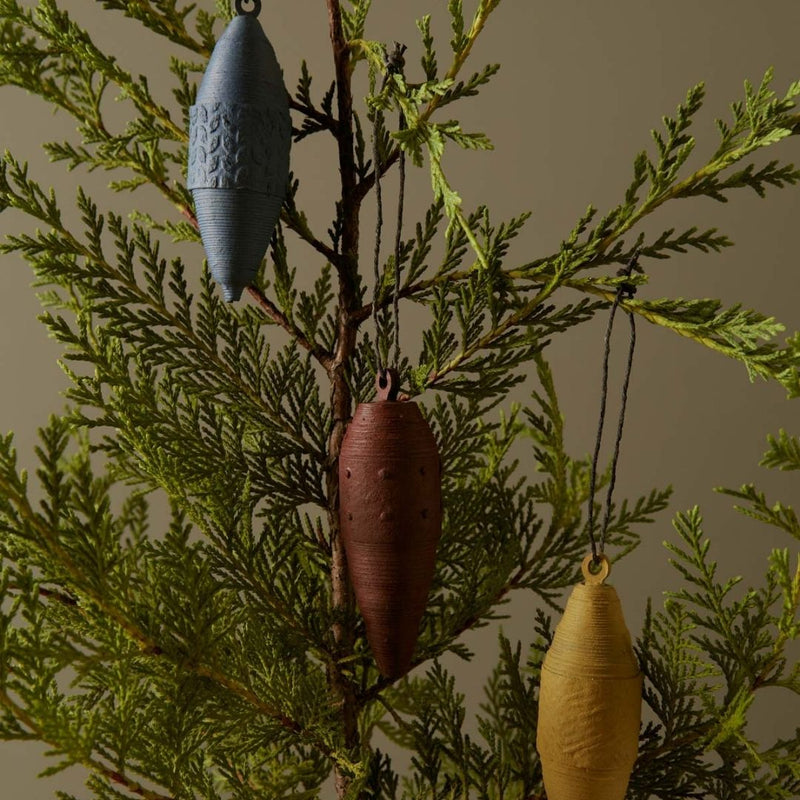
(240, 133)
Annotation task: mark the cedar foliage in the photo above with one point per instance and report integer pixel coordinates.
(220, 655)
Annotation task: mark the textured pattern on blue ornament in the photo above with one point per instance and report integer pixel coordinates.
(233, 146)
(239, 141)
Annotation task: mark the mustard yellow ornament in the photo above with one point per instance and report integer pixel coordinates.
(590, 698)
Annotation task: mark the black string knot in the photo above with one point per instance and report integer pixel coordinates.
(394, 59)
(626, 290)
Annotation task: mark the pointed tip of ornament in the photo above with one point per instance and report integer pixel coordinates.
(232, 293)
(393, 667)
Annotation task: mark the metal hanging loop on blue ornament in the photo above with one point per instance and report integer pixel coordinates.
(239, 142)
(240, 9)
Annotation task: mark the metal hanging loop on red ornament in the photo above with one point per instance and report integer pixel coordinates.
(242, 12)
(387, 385)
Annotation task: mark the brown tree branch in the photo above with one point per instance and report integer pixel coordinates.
(146, 644)
(49, 594)
(515, 320)
(93, 764)
(326, 120)
(279, 318)
(341, 398)
(295, 222)
(274, 313)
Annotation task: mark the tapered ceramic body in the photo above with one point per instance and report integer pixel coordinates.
(590, 699)
(391, 520)
(239, 139)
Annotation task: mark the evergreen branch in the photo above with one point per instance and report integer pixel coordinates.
(315, 120)
(76, 88)
(93, 764)
(30, 199)
(322, 120)
(783, 453)
(788, 626)
(704, 634)
(463, 47)
(296, 220)
(112, 153)
(662, 247)
(166, 19)
(13, 494)
(253, 700)
(69, 40)
(416, 290)
(443, 191)
(777, 514)
(762, 121)
(516, 319)
(143, 641)
(437, 99)
(734, 332)
(354, 22)
(275, 314)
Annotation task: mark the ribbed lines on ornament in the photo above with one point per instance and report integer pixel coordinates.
(235, 225)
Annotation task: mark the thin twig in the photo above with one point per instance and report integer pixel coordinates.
(146, 644)
(295, 222)
(49, 594)
(326, 120)
(112, 775)
(279, 318)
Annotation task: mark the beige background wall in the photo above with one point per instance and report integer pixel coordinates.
(582, 83)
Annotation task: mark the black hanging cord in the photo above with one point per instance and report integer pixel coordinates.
(378, 235)
(625, 290)
(398, 247)
(395, 63)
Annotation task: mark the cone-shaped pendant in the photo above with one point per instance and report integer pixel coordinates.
(391, 520)
(239, 138)
(590, 698)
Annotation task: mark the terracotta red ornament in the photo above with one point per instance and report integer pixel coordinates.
(391, 520)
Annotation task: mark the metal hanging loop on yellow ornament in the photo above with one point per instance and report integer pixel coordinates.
(595, 570)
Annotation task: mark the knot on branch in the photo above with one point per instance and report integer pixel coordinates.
(627, 290)
(395, 60)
